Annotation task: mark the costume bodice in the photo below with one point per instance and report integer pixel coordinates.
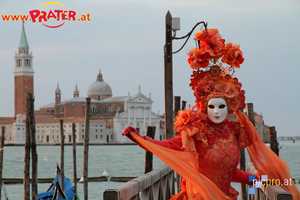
(219, 160)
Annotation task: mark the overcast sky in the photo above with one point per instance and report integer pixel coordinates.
(125, 40)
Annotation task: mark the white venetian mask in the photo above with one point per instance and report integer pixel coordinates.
(217, 110)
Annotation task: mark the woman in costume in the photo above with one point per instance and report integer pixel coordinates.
(206, 152)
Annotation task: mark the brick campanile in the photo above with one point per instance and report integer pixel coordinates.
(23, 74)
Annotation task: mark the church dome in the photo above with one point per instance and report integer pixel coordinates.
(99, 87)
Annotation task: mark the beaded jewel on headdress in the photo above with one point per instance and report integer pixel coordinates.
(210, 79)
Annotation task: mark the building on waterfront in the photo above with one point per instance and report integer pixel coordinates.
(109, 115)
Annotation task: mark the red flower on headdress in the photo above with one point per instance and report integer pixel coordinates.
(228, 89)
(223, 87)
(233, 56)
(211, 43)
(232, 92)
(198, 59)
(196, 77)
(234, 104)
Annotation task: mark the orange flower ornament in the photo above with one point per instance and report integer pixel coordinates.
(233, 56)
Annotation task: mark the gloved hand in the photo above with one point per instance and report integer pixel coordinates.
(131, 129)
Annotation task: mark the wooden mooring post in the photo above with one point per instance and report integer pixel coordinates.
(149, 155)
(34, 156)
(168, 74)
(86, 147)
(273, 140)
(2, 138)
(183, 105)
(26, 178)
(74, 157)
(62, 154)
(176, 110)
(250, 114)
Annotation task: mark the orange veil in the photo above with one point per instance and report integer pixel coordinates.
(199, 186)
(185, 164)
(265, 160)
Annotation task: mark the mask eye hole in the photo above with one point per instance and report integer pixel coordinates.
(222, 106)
(211, 106)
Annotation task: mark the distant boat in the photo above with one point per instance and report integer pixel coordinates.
(55, 191)
(81, 180)
(279, 146)
(105, 174)
(4, 192)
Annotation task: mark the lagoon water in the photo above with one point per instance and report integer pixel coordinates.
(117, 160)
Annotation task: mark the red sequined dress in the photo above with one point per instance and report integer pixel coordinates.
(219, 160)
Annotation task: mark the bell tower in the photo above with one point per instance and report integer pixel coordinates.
(76, 92)
(23, 74)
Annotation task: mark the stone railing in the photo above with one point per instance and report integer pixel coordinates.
(272, 192)
(157, 185)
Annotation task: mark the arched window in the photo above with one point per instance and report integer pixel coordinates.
(93, 109)
(110, 109)
(61, 110)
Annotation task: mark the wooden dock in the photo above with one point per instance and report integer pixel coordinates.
(49, 180)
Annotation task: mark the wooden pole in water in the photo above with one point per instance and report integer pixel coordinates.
(250, 114)
(183, 105)
(168, 74)
(149, 155)
(273, 140)
(176, 109)
(176, 106)
(34, 157)
(86, 147)
(62, 154)
(2, 138)
(74, 157)
(26, 179)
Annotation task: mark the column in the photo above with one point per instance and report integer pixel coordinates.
(149, 115)
(134, 116)
(128, 119)
(144, 119)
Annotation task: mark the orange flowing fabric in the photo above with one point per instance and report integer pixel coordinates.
(185, 163)
(265, 160)
(199, 187)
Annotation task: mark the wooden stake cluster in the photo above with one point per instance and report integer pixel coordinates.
(2, 138)
(149, 155)
(74, 157)
(86, 147)
(62, 154)
(30, 144)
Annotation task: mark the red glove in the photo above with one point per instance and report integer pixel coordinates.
(131, 129)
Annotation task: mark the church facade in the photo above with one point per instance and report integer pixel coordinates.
(109, 115)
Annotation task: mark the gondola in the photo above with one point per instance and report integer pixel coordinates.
(55, 191)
